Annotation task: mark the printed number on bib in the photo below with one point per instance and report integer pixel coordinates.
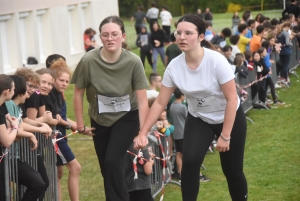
(113, 104)
(204, 104)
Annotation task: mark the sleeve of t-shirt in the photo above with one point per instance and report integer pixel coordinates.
(245, 40)
(2, 118)
(4, 109)
(81, 77)
(184, 111)
(167, 79)
(32, 101)
(139, 80)
(223, 70)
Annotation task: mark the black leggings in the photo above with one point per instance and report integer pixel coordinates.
(147, 54)
(111, 144)
(198, 135)
(269, 82)
(141, 195)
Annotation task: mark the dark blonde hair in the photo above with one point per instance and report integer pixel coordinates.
(29, 75)
(58, 67)
(150, 102)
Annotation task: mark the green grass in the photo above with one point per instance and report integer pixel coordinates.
(271, 162)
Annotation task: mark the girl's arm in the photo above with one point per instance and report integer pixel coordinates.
(158, 106)
(30, 136)
(229, 91)
(142, 105)
(78, 109)
(8, 135)
(148, 166)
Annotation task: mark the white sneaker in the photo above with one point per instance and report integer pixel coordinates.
(277, 86)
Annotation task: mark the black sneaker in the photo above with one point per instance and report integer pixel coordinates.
(203, 178)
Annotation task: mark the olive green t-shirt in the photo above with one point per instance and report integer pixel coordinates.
(111, 80)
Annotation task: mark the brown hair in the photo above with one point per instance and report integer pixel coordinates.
(29, 75)
(5, 82)
(114, 19)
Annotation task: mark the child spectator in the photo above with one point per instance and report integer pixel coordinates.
(209, 34)
(155, 84)
(220, 39)
(32, 121)
(8, 125)
(235, 22)
(53, 57)
(89, 42)
(255, 42)
(8, 132)
(172, 50)
(227, 50)
(240, 68)
(178, 113)
(157, 40)
(234, 40)
(261, 70)
(27, 175)
(139, 182)
(143, 41)
(244, 41)
(166, 127)
(65, 156)
(269, 82)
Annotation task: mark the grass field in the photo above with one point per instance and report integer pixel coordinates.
(271, 162)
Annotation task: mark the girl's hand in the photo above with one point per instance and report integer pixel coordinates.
(13, 121)
(88, 131)
(58, 117)
(47, 116)
(140, 141)
(222, 145)
(33, 142)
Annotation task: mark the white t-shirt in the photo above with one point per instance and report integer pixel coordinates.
(151, 93)
(165, 18)
(235, 50)
(202, 87)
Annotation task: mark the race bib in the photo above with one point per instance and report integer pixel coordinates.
(113, 104)
(204, 104)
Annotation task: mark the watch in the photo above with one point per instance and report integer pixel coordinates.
(68, 126)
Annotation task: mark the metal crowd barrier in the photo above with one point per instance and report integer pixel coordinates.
(294, 63)
(13, 191)
(157, 183)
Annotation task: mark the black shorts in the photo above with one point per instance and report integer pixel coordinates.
(179, 145)
(65, 154)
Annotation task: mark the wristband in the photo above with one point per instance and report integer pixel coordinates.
(82, 130)
(224, 138)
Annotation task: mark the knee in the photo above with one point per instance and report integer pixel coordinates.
(75, 168)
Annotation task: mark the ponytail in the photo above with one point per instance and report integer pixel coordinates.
(206, 44)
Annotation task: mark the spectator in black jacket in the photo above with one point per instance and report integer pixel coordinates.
(293, 8)
(144, 42)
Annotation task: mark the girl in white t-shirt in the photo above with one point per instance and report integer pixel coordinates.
(206, 79)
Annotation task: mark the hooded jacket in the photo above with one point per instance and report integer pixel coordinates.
(143, 40)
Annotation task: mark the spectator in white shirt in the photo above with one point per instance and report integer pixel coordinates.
(234, 40)
(152, 15)
(166, 21)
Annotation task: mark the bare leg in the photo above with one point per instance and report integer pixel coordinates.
(60, 170)
(179, 161)
(73, 179)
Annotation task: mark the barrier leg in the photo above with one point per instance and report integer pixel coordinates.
(249, 119)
